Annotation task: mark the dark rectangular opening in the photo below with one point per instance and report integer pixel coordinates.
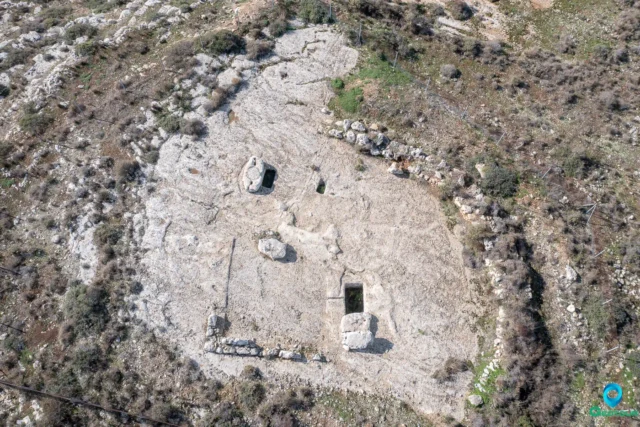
(269, 177)
(321, 187)
(353, 299)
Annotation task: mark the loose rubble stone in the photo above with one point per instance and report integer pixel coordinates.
(475, 400)
(571, 274)
(272, 248)
(358, 127)
(253, 174)
(335, 134)
(395, 169)
(213, 325)
(319, 357)
(346, 125)
(381, 140)
(362, 139)
(350, 136)
(571, 308)
(289, 355)
(356, 331)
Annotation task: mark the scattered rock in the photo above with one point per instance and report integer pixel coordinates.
(272, 248)
(346, 125)
(289, 355)
(253, 174)
(571, 308)
(362, 139)
(395, 169)
(358, 127)
(350, 137)
(571, 274)
(335, 134)
(475, 400)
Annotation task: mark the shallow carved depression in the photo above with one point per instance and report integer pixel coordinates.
(370, 236)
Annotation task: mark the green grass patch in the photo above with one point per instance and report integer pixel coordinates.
(349, 100)
(490, 384)
(7, 182)
(381, 70)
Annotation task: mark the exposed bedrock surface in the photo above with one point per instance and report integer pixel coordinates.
(201, 229)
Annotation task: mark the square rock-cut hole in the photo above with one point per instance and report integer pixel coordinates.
(269, 178)
(321, 187)
(353, 298)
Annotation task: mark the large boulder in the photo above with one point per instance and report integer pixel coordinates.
(253, 174)
(273, 248)
(355, 329)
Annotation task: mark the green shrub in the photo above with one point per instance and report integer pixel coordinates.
(88, 48)
(79, 30)
(313, 11)
(193, 127)
(169, 122)
(88, 358)
(221, 42)
(55, 16)
(129, 171)
(35, 122)
(596, 315)
(500, 182)
(103, 6)
(251, 394)
(4, 91)
(14, 57)
(278, 27)
(337, 84)
(108, 234)
(86, 308)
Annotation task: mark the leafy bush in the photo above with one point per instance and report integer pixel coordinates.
(251, 394)
(108, 234)
(460, 10)
(103, 6)
(193, 127)
(88, 48)
(313, 11)
(337, 84)
(55, 16)
(221, 42)
(449, 71)
(278, 27)
(79, 30)
(451, 368)
(88, 358)
(34, 122)
(500, 182)
(257, 49)
(129, 171)
(180, 53)
(86, 308)
(169, 122)
(14, 57)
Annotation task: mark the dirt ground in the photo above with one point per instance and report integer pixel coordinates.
(198, 235)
